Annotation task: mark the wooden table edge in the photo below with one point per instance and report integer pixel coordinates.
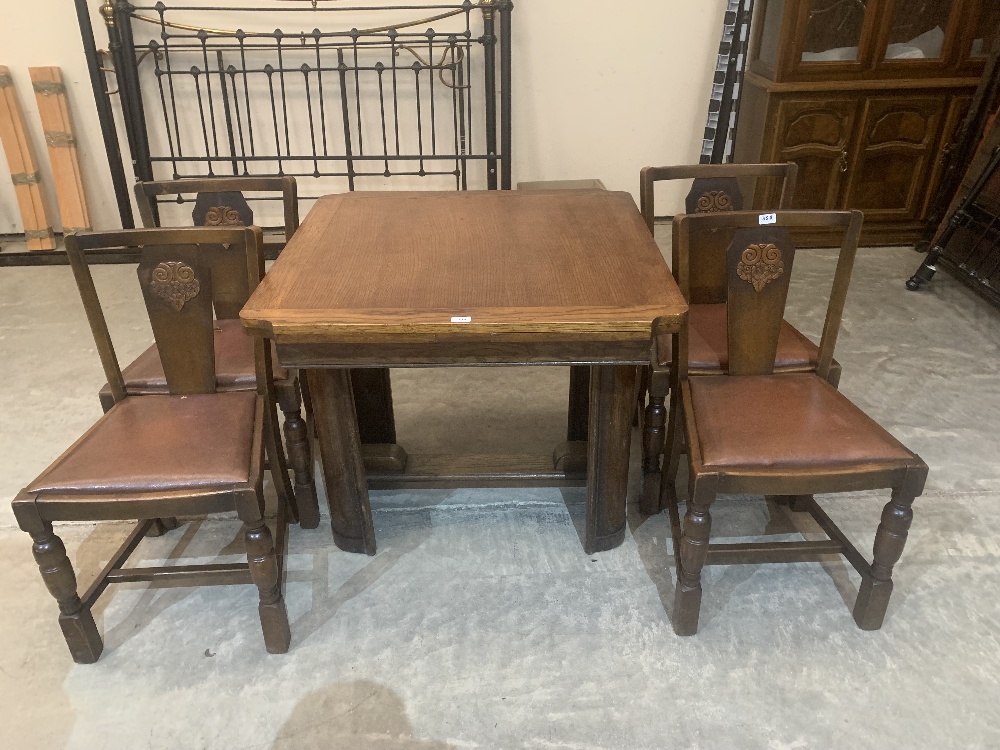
(271, 324)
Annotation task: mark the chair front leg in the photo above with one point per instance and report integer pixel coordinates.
(264, 570)
(653, 434)
(876, 587)
(693, 552)
(76, 621)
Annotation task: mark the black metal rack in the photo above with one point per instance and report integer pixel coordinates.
(970, 243)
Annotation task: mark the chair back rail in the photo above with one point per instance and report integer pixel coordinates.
(227, 194)
(759, 265)
(715, 188)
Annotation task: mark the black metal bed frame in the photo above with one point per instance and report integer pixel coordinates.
(318, 81)
(347, 107)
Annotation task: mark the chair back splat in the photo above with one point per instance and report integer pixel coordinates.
(177, 289)
(758, 268)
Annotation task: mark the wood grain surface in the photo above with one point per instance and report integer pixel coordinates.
(53, 109)
(366, 266)
(23, 163)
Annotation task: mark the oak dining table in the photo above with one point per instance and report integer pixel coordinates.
(378, 280)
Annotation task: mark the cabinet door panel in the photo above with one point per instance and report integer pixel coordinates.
(895, 152)
(815, 134)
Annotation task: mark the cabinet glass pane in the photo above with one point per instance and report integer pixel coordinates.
(834, 30)
(918, 28)
(773, 12)
(986, 27)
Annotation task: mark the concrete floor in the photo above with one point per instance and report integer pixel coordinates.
(481, 623)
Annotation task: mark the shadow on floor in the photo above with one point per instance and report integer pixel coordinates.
(351, 716)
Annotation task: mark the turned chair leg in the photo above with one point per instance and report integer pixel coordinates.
(76, 621)
(264, 570)
(672, 457)
(876, 587)
(693, 553)
(653, 434)
(641, 387)
(299, 454)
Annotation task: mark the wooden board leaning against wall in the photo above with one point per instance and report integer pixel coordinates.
(53, 107)
(23, 168)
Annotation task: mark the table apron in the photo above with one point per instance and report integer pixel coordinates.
(464, 354)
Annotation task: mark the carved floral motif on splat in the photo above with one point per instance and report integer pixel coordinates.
(760, 265)
(174, 282)
(223, 216)
(714, 201)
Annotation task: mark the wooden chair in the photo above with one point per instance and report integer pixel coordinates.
(789, 435)
(197, 449)
(715, 188)
(220, 202)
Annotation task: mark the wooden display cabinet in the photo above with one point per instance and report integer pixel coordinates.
(864, 95)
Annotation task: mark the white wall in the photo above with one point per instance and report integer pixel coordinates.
(45, 32)
(600, 89)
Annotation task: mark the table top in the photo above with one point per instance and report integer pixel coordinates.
(370, 266)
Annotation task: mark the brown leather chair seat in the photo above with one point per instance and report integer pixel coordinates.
(708, 348)
(234, 364)
(159, 444)
(784, 422)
